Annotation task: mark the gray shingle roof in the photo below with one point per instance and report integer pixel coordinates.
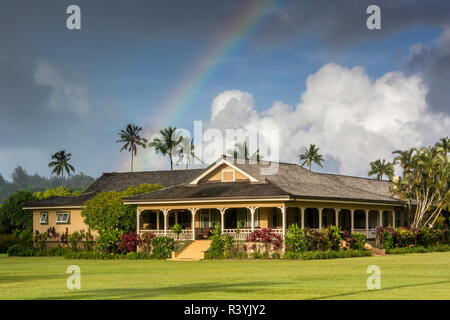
(61, 202)
(290, 179)
(217, 190)
(300, 182)
(119, 181)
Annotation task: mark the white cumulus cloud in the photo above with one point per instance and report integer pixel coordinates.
(352, 118)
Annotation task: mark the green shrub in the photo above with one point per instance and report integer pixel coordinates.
(105, 256)
(162, 247)
(335, 237)
(106, 213)
(296, 239)
(21, 250)
(256, 255)
(41, 239)
(217, 248)
(74, 240)
(406, 237)
(328, 254)
(177, 229)
(389, 238)
(108, 241)
(359, 240)
(7, 240)
(419, 249)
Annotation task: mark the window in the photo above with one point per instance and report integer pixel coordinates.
(63, 218)
(44, 218)
(228, 175)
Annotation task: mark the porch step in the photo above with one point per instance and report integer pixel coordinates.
(375, 251)
(193, 251)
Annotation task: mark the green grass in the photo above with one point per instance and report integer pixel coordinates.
(410, 276)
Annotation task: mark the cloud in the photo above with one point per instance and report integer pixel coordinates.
(352, 118)
(432, 64)
(65, 95)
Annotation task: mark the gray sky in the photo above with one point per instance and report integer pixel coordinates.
(75, 90)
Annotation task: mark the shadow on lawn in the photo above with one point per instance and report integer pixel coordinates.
(22, 278)
(153, 293)
(378, 290)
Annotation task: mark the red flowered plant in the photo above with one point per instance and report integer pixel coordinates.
(266, 236)
(130, 242)
(147, 241)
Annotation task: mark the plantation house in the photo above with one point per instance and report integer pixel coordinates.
(238, 198)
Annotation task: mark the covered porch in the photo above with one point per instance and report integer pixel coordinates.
(197, 223)
(240, 220)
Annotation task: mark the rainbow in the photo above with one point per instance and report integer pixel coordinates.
(234, 37)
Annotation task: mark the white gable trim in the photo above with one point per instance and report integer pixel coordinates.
(218, 164)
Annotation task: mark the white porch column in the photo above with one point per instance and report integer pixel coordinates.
(252, 215)
(138, 220)
(367, 221)
(283, 218)
(222, 218)
(157, 220)
(380, 214)
(336, 213)
(165, 213)
(393, 218)
(352, 220)
(302, 214)
(193, 212)
(320, 217)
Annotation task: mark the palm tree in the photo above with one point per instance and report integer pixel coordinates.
(443, 145)
(187, 150)
(240, 150)
(311, 155)
(131, 139)
(380, 168)
(167, 143)
(405, 159)
(60, 164)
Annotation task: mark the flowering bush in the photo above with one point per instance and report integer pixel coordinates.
(268, 237)
(147, 241)
(389, 238)
(300, 240)
(130, 242)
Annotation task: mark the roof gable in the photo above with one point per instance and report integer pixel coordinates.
(219, 171)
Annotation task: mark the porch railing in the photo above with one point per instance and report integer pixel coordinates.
(367, 232)
(184, 235)
(245, 233)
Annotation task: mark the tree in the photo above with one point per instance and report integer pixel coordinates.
(60, 164)
(427, 182)
(443, 145)
(187, 152)
(241, 151)
(107, 215)
(311, 155)
(2, 181)
(131, 139)
(20, 176)
(12, 216)
(406, 161)
(405, 158)
(167, 143)
(381, 168)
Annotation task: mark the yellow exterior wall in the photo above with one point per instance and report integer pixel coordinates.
(76, 222)
(216, 175)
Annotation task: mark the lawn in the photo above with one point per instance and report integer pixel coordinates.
(410, 276)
